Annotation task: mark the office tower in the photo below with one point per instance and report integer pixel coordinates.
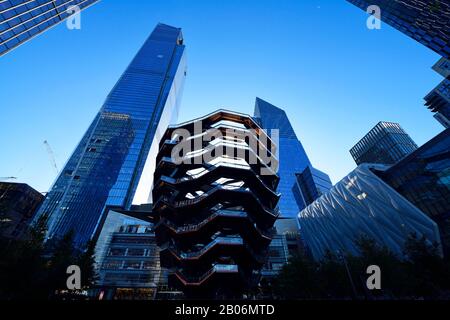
(115, 159)
(129, 267)
(438, 100)
(362, 204)
(310, 185)
(423, 178)
(293, 161)
(426, 21)
(386, 143)
(18, 204)
(21, 20)
(215, 203)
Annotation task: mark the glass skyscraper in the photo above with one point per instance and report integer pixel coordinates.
(423, 20)
(21, 20)
(292, 160)
(112, 162)
(438, 100)
(386, 143)
(311, 184)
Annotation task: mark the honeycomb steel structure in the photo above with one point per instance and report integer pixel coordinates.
(215, 214)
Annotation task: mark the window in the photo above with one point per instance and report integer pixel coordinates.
(133, 265)
(136, 252)
(116, 252)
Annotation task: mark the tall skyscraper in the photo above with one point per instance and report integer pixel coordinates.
(21, 20)
(438, 100)
(386, 143)
(293, 160)
(115, 157)
(311, 184)
(426, 21)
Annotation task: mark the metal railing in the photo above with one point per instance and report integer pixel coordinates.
(218, 268)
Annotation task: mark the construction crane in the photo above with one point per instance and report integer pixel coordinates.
(51, 156)
(7, 178)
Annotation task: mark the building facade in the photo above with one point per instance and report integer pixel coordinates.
(438, 100)
(442, 120)
(293, 160)
(18, 205)
(215, 204)
(362, 204)
(311, 184)
(426, 21)
(442, 67)
(115, 157)
(128, 259)
(278, 256)
(22, 20)
(386, 143)
(424, 179)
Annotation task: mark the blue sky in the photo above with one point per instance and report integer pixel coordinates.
(314, 58)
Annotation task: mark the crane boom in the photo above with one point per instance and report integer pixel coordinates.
(51, 156)
(7, 178)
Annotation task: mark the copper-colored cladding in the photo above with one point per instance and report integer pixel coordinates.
(214, 227)
(220, 115)
(257, 146)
